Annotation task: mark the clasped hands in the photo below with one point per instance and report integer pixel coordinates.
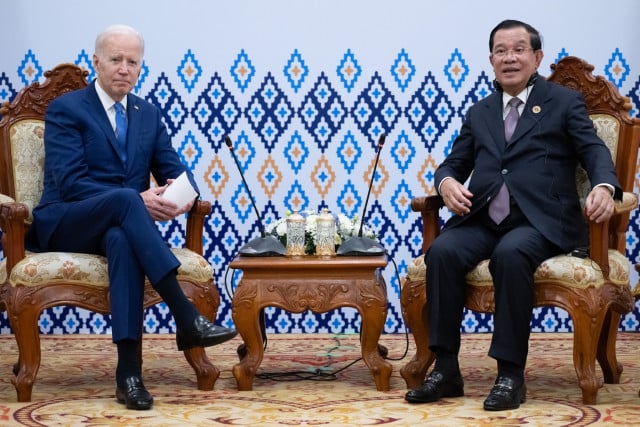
(599, 206)
(159, 208)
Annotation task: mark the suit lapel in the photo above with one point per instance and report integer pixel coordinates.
(494, 121)
(533, 111)
(135, 125)
(96, 110)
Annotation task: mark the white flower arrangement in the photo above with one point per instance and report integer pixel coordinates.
(345, 227)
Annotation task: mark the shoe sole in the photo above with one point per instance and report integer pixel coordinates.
(444, 396)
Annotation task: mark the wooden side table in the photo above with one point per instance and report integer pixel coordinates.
(311, 283)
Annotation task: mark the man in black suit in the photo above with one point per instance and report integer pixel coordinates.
(97, 199)
(520, 208)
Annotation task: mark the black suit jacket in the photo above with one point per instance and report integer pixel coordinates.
(554, 134)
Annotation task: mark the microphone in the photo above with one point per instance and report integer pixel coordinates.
(266, 245)
(358, 245)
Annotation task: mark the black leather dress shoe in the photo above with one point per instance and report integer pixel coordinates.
(203, 334)
(435, 387)
(507, 393)
(134, 394)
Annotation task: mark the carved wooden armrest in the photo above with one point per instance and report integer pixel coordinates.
(605, 235)
(195, 225)
(12, 223)
(429, 208)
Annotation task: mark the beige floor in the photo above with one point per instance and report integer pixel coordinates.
(75, 387)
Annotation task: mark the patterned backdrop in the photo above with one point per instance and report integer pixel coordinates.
(305, 130)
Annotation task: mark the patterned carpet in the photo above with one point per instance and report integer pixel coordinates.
(75, 386)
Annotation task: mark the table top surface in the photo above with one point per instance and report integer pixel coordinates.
(306, 261)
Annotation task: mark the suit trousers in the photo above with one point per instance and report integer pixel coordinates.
(514, 249)
(116, 224)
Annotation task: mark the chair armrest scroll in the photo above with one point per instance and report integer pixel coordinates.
(12, 223)
(429, 208)
(195, 225)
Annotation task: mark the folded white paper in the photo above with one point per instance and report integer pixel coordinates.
(180, 191)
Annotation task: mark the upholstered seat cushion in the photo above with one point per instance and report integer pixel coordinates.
(51, 267)
(575, 272)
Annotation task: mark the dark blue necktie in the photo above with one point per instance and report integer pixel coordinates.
(121, 131)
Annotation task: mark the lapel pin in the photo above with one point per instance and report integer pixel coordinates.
(136, 107)
(536, 109)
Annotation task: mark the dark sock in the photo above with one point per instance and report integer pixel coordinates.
(446, 363)
(128, 362)
(181, 308)
(511, 370)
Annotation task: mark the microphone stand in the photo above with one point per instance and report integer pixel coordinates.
(358, 245)
(267, 244)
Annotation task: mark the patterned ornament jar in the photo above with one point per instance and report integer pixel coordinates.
(296, 225)
(325, 234)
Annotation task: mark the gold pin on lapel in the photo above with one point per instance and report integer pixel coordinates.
(536, 109)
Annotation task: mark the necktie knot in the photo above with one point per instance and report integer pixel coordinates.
(511, 120)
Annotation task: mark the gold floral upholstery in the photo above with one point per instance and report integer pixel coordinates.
(595, 291)
(27, 150)
(32, 282)
(571, 271)
(38, 269)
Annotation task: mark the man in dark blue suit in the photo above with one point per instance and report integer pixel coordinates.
(97, 199)
(520, 208)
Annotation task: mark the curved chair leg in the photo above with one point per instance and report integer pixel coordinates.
(586, 333)
(27, 337)
(606, 353)
(413, 298)
(206, 300)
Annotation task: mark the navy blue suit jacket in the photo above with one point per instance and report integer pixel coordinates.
(554, 134)
(81, 156)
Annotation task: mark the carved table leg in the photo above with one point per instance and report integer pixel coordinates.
(374, 313)
(246, 316)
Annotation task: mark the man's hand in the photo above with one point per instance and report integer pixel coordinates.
(456, 196)
(161, 209)
(599, 205)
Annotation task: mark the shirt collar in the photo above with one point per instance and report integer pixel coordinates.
(106, 100)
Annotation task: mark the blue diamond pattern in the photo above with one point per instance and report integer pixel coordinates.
(296, 198)
(29, 70)
(216, 112)
(189, 71)
(617, 69)
(403, 151)
(84, 61)
(322, 112)
(349, 194)
(375, 110)
(269, 112)
(296, 71)
(189, 150)
(7, 92)
(168, 100)
(403, 70)
(401, 201)
(242, 71)
(349, 70)
(144, 73)
(482, 88)
(456, 70)
(296, 152)
(349, 151)
(429, 111)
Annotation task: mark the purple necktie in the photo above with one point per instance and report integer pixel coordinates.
(499, 206)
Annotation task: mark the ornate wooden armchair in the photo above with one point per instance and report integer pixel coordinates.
(595, 291)
(32, 282)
